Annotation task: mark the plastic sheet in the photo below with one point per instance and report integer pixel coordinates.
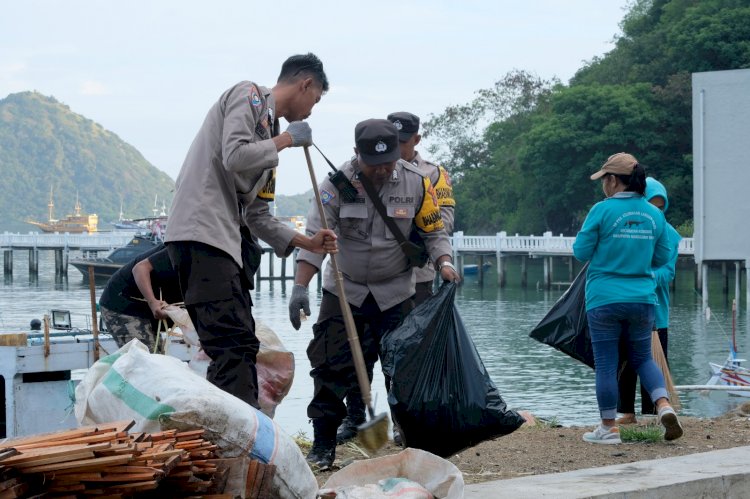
(565, 326)
(441, 395)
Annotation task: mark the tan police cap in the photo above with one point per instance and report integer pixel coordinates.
(621, 163)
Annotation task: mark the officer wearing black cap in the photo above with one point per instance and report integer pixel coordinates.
(378, 279)
(407, 125)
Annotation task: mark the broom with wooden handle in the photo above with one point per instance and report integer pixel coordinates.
(661, 361)
(373, 434)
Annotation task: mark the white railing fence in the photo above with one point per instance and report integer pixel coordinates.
(93, 241)
(546, 243)
(500, 242)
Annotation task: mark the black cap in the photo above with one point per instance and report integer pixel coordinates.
(407, 124)
(377, 141)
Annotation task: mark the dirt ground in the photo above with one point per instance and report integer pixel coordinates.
(540, 448)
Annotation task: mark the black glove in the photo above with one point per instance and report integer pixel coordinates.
(299, 300)
(300, 133)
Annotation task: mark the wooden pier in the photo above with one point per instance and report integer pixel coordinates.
(556, 253)
(61, 244)
(548, 247)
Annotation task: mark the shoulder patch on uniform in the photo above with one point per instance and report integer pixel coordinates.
(268, 192)
(444, 189)
(428, 219)
(446, 177)
(326, 197)
(255, 96)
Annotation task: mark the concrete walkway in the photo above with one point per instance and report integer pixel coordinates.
(715, 474)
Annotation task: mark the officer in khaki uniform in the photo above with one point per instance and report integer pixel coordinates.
(407, 125)
(228, 175)
(378, 280)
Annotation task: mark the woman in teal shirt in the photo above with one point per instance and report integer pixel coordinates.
(623, 238)
(656, 194)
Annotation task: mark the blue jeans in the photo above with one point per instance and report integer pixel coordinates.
(633, 322)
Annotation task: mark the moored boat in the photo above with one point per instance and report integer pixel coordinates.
(39, 371)
(731, 373)
(105, 267)
(471, 269)
(73, 224)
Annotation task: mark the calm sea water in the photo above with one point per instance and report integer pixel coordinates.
(529, 375)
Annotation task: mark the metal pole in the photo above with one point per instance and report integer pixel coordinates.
(704, 279)
(737, 283)
(724, 278)
(551, 272)
(8, 257)
(481, 270)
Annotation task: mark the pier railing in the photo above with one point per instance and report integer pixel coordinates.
(544, 245)
(96, 241)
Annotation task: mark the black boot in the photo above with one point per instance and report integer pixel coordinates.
(397, 438)
(323, 451)
(355, 416)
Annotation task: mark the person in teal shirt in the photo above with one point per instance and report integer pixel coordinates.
(655, 194)
(623, 238)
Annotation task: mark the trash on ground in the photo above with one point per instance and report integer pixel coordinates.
(412, 473)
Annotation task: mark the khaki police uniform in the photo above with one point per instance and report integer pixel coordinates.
(444, 190)
(228, 174)
(378, 281)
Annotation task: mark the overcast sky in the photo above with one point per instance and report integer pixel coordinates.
(149, 70)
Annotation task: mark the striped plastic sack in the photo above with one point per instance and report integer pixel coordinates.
(160, 392)
(274, 363)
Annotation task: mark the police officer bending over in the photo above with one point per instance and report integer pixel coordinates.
(378, 279)
(227, 178)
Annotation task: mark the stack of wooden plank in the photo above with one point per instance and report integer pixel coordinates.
(107, 461)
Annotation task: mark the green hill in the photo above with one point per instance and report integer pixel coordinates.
(294, 205)
(43, 145)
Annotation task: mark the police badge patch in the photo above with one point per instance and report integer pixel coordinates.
(255, 99)
(326, 197)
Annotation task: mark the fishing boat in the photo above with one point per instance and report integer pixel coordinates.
(105, 267)
(472, 269)
(40, 368)
(731, 373)
(73, 224)
(154, 223)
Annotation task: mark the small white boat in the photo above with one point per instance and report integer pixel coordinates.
(731, 373)
(474, 269)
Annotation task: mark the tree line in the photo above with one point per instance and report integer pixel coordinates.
(520, 153)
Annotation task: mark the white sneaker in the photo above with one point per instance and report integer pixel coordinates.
(672, 427)
(602, 435)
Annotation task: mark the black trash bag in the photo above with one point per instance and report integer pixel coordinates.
(441, 395)
(565, 326)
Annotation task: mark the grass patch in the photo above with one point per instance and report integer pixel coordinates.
(552, 422)
(650, 434)
(301, 439)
